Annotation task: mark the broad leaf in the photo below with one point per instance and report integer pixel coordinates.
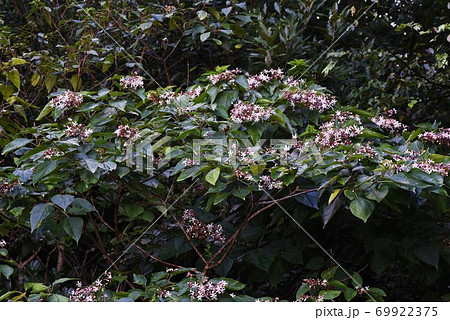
(39, 213)
(362, 208)
(16, 144)
(73, 226)
(212, 176)
(63, 200)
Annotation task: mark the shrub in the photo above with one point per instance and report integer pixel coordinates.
(267, 185)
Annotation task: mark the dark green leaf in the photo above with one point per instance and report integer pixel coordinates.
(39, 213)
(73, 226)
(63, 200)
(16, 144)
(362, 208)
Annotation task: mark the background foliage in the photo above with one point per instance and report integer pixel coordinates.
(71, 216)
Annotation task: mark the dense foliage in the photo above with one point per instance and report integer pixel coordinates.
(134, 169)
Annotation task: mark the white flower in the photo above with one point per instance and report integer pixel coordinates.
(133, 82)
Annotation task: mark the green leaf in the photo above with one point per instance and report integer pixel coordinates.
(14, 77)
(255, 131)
(17, 61)
(362, 208)
(428, 254)
(242, 81)
(233, 285)
(45, 111)
(329, 294)
(139, 279)
(212, 176)
(377, 291)
(57, 298)
(63, 200)
(62, 280)
(310, 199)
(6, 91)
(90, 164)
(39, 287)
(39, 213)
(50, 81)
(357, 281)
(43, 170)
(329, 210)
(132, 210)
(189, 172)
(35, 79)
(76, 82)
(6, 270)
(333, 195)
(329, 273)
(8, 294)
(202, 15)
(378, 194)
(204, 36)
(302, 290)
(73, 226)
(15, 144)
(349, 294)
(145, 26)
(80, 205)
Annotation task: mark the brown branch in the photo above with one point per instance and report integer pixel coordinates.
(153, 257)
(230, 242)
(188, 237)
(22, 265)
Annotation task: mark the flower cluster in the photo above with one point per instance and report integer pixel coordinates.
(410, 159)
(90, 293)
(198, 230)
(227, 75)
(188, 162)
(67, 99)
(276, 299)
(429, 166)
(194, 93)
(264, 76)
(73, 129)
(5, 187)
(242, 175)
(50, 153)
(267, 183)
(312, 99)
(361, 290)
(307, 297)
(293, 83)
(407, 155)
(2, 243)
(164, 293)
(205, 289)
(341, 117)
(442, 137)
(315, 282)
(389, 124)
(124, 131)
(366, 151)
(246, 156)
(249, 112)
(332, 133)
(391, 112)
(165, 98)
(132, 82)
